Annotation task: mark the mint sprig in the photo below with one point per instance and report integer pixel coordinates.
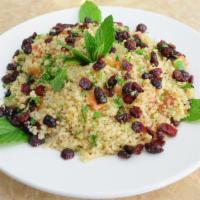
(90, 10)
(10, 134)
(100, 44)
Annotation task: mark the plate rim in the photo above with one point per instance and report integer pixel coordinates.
(117, 194)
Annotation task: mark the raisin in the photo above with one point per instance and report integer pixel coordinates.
(135, 111)
(146, 75)
(154, 147)
(85, 84)
(100, 64)
(123, 154)
(138, 149)
(70, 40)
(137, 87)
(112, 81)
(154, 59)
(141, 27)
(48, 40)
(12, 66)
(100, 96)
(156, 72)
(59, 28)
(23, 117)
(126, 65)
(157, 82)
(67, 154)
(181, 75)
(129, 149)
(49, 121)
(10, 77)
(128, 99)
(122, 35)
(34, 141)
(130, 44)
(138, 127)
(122, 117)
(167, 129)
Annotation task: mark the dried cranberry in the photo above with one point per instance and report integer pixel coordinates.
(49, 121)
(48, 40)
(150, 131)
(138, 127)
(122, 117)
(154, 58)
(156, 72)
(2, 111)
(27, 44)
(128, 99)
(157, 82)
(25, 88)
(167, 52)
(70, 40)
(12, 66)
(127, 76)
(100, 96)
(67, 154)
(129, 149)
(15, 121)
(139, 42)
(181, 75)
(59, 28)
(135, 111)
(23, 117)
(10, 111)
(146, 75)
(123, 154)
(112, 50)
(137, 87)
(127, 88)
(122, 35)
(85, 84)
(154, 147)
(160, 135)
(10, 77)
(34, 141)
(130, 44)
(174, 122)
(138, 149)
(108, 91)
(40, 90)
(8, 93)
(167, 129)
(126, 65)
(141, 27)
(112, 81)
(191, 79)
(100, 64)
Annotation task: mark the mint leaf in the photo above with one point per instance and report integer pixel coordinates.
(10, 134)
(104, 37)
(194, 113)
(90, 44)
(89, 9)
(58, 82)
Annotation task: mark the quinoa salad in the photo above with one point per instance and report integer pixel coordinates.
(96, 88)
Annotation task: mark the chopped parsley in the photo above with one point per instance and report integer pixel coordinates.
(96, 115)
(118, 102)
(32, 121)
(179, 64)
(93, 140)
(139, 51)
(187, 86)
(84, 111)
(120, 80)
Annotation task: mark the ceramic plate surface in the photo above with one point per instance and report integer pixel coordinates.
(106, 177)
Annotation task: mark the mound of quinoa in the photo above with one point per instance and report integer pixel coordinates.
(127, 101)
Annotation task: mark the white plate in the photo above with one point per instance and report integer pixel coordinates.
(106, 177)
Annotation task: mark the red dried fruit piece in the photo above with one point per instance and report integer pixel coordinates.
(122, 117)
(135, 111)
(154, 59)
(85, 84)
(138, 127)
(181, 75)
(126, 65)
(167, 129)
(138, 149)
(141, 27)
(123, 154)
(155, 146)
(40, 90)
(130, 44)
(67, 154)
(156, 72)
(25, 88)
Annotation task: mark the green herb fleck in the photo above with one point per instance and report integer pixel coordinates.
(96, 115)
(32, 121)
(194, 113)
(59, 116)
(139, 51)
(117, 58)
(58, 82)
(118, 102)
(93, 140)
(187, 86)
(84, 111)
(120, 80)
(179, 64)
(36, 99)
(89, 9)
